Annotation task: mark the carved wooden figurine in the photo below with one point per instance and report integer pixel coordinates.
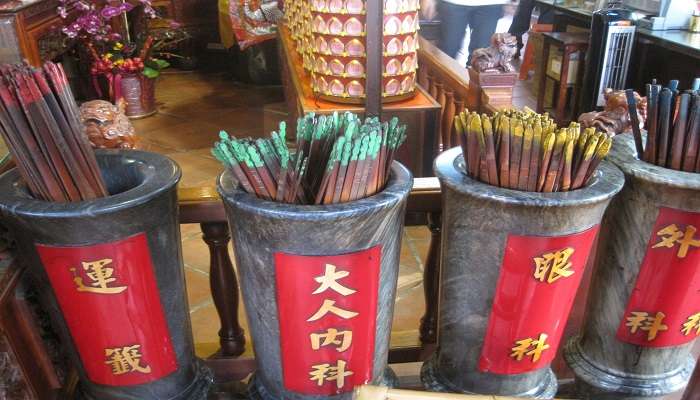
(107, 126)
(615, 116)
(498, 57)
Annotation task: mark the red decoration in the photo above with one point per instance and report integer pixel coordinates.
(535, 291)
(664, 308)
(110, 301)
(327, 313)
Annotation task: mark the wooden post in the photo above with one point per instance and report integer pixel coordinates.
(375, 32)
(224, 288)
(431, 281)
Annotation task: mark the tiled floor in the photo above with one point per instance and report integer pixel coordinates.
(193, 108)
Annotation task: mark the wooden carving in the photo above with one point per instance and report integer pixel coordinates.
(615, 116)
(498, 57)
(106, 125)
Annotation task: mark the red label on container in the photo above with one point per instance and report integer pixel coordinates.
(327, 312)
(109, 299)
(664, 308)
(535, 291)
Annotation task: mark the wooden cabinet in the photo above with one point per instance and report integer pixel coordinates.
(30, 30)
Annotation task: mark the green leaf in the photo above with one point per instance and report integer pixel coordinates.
(149, 72)
(161, 63)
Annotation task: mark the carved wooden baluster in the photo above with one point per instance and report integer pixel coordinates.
(432, 88)
(224, 288)
(459, 107)
(423, 76)
(440, 97)
(447, 120)
(431, 280)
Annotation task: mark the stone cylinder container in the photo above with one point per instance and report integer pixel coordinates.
(110, 274)
(511, 264)
(318, 284)
(643, 309)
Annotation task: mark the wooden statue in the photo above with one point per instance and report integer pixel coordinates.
(106, 125)
(615, 116)
(498, 57)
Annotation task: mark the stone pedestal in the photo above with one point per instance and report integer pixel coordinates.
(490, 90)
(641, 271)
(318, 284)
(502, 306)
(109, 272)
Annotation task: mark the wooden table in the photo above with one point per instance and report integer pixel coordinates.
(573, 46)
(31, 30)
(420, 113)
(651, 50)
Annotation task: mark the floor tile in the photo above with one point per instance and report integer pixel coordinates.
(196, 253)
(198, 292)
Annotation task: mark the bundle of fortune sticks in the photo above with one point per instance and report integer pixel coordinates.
(526, 151)
(337, 158)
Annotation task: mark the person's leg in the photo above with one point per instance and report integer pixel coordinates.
(454, 20)
(482, 22)
(521, 19)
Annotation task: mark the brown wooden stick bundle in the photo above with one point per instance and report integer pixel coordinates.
(337, 159)
(526, 151)
(38, 122)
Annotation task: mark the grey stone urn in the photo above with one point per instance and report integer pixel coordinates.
(511, 264)
(318, 284)
(110, 274)
(640, 327)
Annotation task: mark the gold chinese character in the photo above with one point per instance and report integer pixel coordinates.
(126, 359)
(671, 235)
(557, 263)
(693, 322)
(324, 372)
(100, 276)
(331, 338)
(329, 280)
(328, 306)
(643, 321)
(530, 347)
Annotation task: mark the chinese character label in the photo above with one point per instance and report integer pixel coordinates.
(100, 275)
(126, 359)
(651, 324)
(538, 280)
(663, 307)
(554, 265)
(693, 322)
(672, 236)
(327, 314)
(323, 373)
(530, 347)
(111, 303)
(342, 340)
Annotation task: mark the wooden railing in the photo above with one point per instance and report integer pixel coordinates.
(448, 82)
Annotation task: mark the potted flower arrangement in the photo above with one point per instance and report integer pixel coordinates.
(126, 68)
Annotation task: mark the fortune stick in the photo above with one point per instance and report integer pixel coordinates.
(526, 151)
(337, 158)
(40, 124)
(673, 126)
